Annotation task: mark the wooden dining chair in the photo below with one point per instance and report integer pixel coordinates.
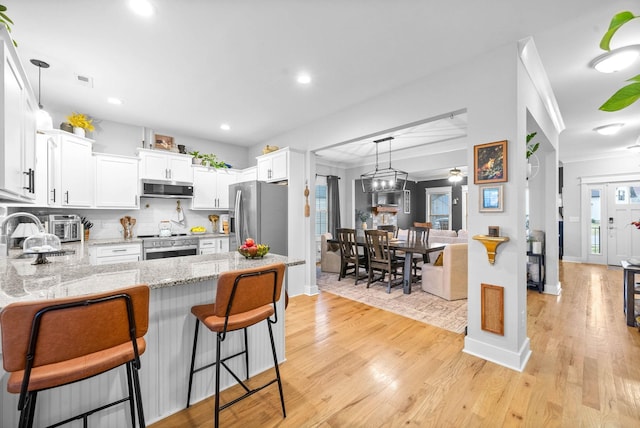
(389, 228)
(381, 256)
(350, 258)
(419, 234)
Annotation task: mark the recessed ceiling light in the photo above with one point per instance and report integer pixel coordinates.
(610, 129)
(303, 78)
(616, 59)
(114, 101)
(225, 127)
(141, 7)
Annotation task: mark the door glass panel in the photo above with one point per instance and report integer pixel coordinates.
(622, 195)
(634, 194)
(595, 220)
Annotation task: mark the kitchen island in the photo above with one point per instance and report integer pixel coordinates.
(176, 285)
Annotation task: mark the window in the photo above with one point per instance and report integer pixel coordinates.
(439, 207)
(321, 209)
(596, 209)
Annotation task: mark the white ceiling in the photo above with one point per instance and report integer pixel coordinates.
(198, 63)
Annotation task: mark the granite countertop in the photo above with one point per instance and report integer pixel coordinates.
(72, 274)
(120, 240)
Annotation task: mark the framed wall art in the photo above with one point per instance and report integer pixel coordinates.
(491, 198)
(490, 162)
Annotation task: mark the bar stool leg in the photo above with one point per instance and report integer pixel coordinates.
(193, 361)
(132, 407)
(217, 402)
(136, 385)
(275, 364)
(246, 351)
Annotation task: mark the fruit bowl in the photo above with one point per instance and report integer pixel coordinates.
(255, 252)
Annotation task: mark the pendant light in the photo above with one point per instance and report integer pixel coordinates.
(455, 175)
(384, 179)
(43, 119)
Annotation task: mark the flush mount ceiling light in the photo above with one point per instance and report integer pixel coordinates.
(114, 101)
(455, 175)
(303, 78)
(141, 7)
(384, 179)
(43, 119)
(610, 129)
(616, 59)
(225, 127)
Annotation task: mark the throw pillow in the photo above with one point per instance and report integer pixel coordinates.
(438, 261)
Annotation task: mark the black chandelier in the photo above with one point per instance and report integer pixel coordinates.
(384, 179)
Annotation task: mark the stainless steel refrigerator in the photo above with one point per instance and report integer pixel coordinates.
(259, 211)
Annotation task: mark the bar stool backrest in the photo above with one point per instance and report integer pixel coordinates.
(67, 328)
(249, 289)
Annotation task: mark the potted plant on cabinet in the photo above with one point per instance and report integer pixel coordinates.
(197, 157)
(363, 217)
(81, 123)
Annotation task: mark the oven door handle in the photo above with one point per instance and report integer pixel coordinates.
(169, 249)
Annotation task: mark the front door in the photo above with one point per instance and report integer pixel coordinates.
(623, 207)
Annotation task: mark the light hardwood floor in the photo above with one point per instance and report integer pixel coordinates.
(351, 365)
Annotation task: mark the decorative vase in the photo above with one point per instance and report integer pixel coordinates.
(364, 225)
(86, 233)
(197, 161)
(79, 131)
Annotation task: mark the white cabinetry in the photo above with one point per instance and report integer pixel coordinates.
(116, 181)
(17, 127)
(211, 188)
(76, 171)
(248, 174)
(274, 166)
(156, 165)
(117, 253)
(213, 245)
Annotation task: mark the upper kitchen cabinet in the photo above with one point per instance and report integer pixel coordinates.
(66, 161)
(274, 166)
(17, 127)
(116, 181)
(211, 188)
(159, 165)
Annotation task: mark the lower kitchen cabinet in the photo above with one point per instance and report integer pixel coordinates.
(116, 181)
(213, 245)
(117, 253)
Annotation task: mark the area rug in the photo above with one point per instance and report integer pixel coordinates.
(419, 305)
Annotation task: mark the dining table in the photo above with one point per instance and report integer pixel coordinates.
(409, 247)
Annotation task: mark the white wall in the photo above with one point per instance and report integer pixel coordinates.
(124, 139)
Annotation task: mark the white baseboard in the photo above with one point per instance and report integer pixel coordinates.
(512, 360)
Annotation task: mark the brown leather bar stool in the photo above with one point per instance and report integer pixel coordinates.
(243, 298)
(50, 343)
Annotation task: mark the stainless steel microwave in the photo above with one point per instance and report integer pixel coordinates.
(163, 189)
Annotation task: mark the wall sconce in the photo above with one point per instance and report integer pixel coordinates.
(455, 201)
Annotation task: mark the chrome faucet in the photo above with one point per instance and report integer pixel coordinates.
(4, 239)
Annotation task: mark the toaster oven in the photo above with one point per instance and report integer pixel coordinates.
(66, 227)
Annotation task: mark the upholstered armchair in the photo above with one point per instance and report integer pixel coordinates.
(448, 281)
(329, 255)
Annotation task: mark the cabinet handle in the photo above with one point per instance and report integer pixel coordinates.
(119, 250)
(169, 173)
(66, 197)
(33, 180)
(30, 175)
(54, 194)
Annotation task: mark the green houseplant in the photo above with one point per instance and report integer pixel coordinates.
(6, 21)
(363, 216)
(629, 94)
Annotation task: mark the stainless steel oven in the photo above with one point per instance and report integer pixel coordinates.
(157, 247)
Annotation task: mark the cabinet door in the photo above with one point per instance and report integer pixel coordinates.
(116, 181)
(279, 166)
(225, 178)
(180, 169)
(204, 188)
(264, 169)
(29, 147)
(154, 166)
(223, 245)
(76, 169)
(12, 148)
(54, 187)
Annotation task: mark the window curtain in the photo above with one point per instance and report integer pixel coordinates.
(333, 205)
